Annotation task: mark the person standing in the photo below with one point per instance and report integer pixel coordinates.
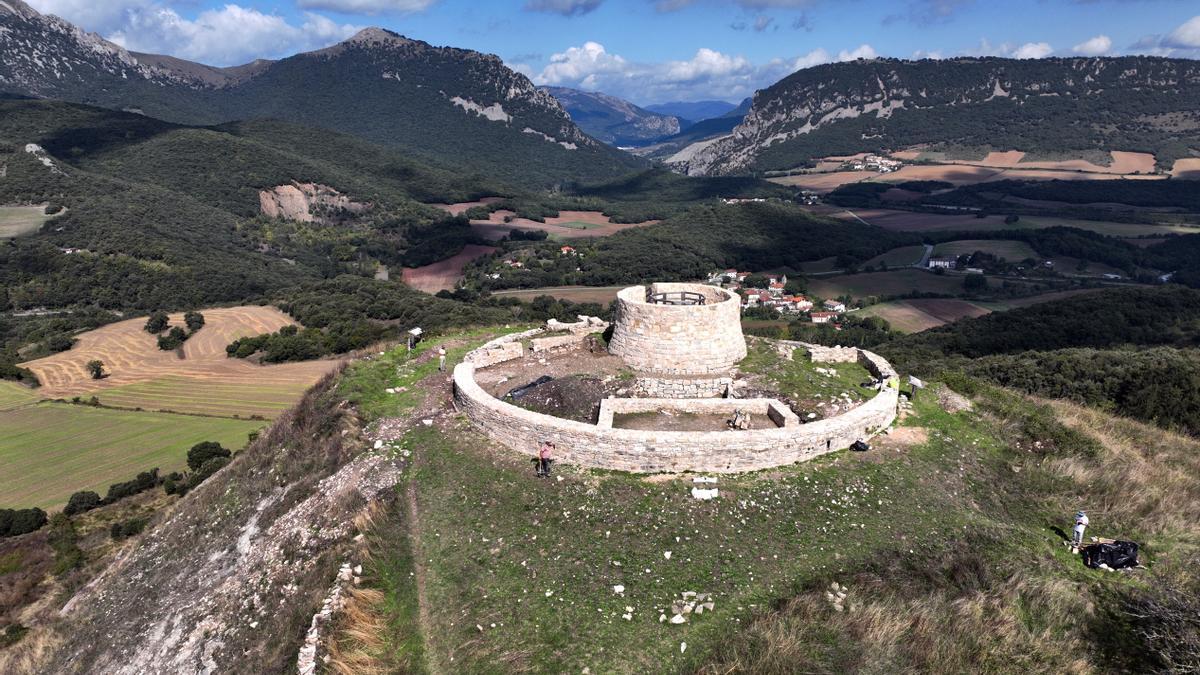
(544, 459)
(441, 359)
(1081, 523)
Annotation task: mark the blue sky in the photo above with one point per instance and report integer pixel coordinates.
(651, 51)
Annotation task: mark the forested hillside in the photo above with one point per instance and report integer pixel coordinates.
(449, 105)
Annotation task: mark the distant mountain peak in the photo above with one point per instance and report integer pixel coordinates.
(18, 8)
(376, 35)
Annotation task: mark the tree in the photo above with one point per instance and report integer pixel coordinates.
(173, 339)
(975, 282)
(82, 501)
(96, 368)
(194, 321)
(157, 323)
(204, 451)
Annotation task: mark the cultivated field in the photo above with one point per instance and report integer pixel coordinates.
(566, 225)
(203, 381)
(909, 221)
(443, 274)
(912, 316)
(599, 294)
(894, 282)
(1011, 251)
(13, 396)
(50, 450)
(1186, 168)
(18, 220)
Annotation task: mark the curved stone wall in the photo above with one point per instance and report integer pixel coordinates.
(672, 451)
(678, 339)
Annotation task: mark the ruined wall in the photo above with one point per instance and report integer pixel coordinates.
(682, 387)
(670, 451)
(678, 339)
(766, 412)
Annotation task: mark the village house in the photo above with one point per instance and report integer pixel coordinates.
(834, 306)
(823, 317)
(568, 250)
(514, 263)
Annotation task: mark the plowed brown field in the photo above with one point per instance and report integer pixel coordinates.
(203, 381)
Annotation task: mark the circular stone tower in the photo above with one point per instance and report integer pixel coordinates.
(678, 331)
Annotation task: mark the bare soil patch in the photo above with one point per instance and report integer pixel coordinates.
(1187, 168)
(444, 274)
(667, 420)
(566, 225)
(462, 207)
(947, 310)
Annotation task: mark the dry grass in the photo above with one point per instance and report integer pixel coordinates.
(30, 655)
(1146, 478)
(1017, 624)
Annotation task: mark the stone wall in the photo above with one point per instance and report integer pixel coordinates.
(670, 451)
(765, 412)
(682, 387)
(678, 339)
(501, 349)
(556, 342)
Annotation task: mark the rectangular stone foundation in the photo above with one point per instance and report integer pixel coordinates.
(775, 413)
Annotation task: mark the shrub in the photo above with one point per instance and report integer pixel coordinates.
(144, 481)
(173, 339)
(82, 501)
(202, 452)
(157, 322)
(209, 467)
(194, 321)
(128, 528)
(64, 540)
(14, 522)
(96, 368)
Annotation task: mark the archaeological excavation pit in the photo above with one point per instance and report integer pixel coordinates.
(658, 394)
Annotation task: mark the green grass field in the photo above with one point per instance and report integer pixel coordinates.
(897, 257)
(885, 283)
(13, 396)
(18, 220)
(50, 450)
(1012, 251)
(203, 397)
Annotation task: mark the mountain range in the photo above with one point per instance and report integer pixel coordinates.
(614, 120)
(448, 105)
(692, 110)
(1052, 106)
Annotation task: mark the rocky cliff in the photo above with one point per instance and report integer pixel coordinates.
(1057, 105)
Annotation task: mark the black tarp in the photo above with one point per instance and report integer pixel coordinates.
(521, 391)
(1116, 555)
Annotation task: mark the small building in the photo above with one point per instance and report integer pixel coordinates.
(568, 250)
(834, 306)
(823, 317)
(801, 303)
(943, 263)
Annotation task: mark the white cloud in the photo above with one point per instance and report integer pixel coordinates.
(1097, 46)
(368, 6)
(1033, 50)
(860, 52)
(228, 35)
(563, 7)
(99, 16)
(1029, 50)
(707, 74)
(1186, 36)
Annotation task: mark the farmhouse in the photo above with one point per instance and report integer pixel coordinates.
(943, 263)
(834, 306)
(823, 317)
(568, 250)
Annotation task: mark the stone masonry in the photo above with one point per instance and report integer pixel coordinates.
(678, 339)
